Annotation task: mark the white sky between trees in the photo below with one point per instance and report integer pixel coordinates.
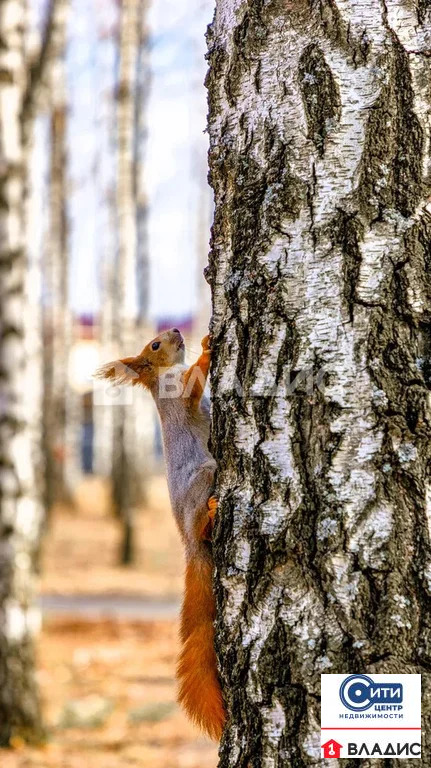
(175, 172)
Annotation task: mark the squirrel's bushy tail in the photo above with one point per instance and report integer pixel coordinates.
(199, 688)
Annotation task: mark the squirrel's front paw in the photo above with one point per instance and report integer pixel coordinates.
(206, 347)
(212, 507)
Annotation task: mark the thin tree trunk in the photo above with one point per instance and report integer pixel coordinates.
(143, 402)
(125, 471)
(57, 321)
(56, 310)
(138, 168)
(103, 410)
(20, 508)
(33, 342)
(320, 267)
(124, 277)
(44, 69)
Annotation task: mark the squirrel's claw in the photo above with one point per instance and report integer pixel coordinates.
(206, 347)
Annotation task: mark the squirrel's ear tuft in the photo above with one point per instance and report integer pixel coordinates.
(129, 370)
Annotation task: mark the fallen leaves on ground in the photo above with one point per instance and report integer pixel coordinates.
(107, 686)
(108, 693)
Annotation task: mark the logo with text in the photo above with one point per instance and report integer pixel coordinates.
(360, 692)
(371, 716)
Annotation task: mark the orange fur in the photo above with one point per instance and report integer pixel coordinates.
(196, 376)
(204, 524)
(199, 690)
(144, 369)
(199, 687)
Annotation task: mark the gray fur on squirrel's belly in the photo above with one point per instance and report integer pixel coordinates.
(189, 465)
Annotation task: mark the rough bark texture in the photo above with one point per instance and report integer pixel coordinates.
(20, 509)
(320, 266)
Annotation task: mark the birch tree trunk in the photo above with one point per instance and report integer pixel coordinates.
(321, 270)
(57, 321)
(143, 402)
(43, 54)
(103, 412)
(142, 86)
(125, 472)
(20, 508)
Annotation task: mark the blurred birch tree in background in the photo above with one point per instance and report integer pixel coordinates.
(57, 321)
(25, 72)
(130, 292)
(53, 135)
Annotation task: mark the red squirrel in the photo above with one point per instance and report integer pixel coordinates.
(178, 392)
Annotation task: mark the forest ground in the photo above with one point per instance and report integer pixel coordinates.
(107, 682)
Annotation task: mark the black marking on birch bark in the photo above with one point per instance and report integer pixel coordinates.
(15, 170)
(327, 22)
(320, 96)
(348, 231)
(391, 176)
(9, 258)
(274, 669)
(249, 186)
(248, 37)
(409, 138)
(424, 360)
(394, 346)
(263, 196)
(6, 76)
(7, 329)
(257, 76)
(288, 354)
(318, 504)
(332, 22)
(417, 254)
(423, 12)
(361, 51)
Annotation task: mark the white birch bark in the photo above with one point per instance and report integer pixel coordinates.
(321, 253)
(127, 472)
(103, 412)
(143, 403)
(142, 85)
(20, 508)
(42, 51)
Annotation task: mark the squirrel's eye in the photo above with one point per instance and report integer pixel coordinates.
(155, 345)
